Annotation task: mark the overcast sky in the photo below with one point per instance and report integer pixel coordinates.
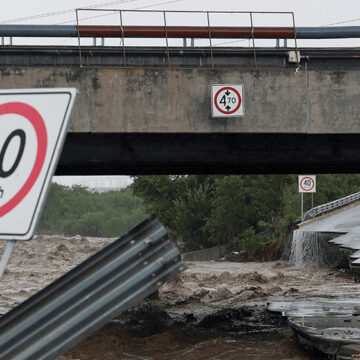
(307, 13)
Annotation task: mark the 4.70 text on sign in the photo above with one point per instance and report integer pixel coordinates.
(227, 100)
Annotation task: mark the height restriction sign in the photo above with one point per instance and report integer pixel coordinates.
(227, 100)
(307, 183)
(33, 126)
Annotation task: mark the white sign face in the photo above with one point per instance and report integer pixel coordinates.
(227, 100)
(307, 183)
(33, 127)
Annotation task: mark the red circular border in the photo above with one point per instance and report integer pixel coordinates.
(305, 179)
(236, 92)
(33, 116)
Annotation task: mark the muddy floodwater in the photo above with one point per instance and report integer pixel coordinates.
(214, 310)
(189, 344)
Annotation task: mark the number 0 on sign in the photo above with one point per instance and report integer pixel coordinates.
(33, 126)
(227, 100)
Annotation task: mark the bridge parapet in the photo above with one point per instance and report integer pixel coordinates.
(313, 100)
(331, 206)
(149, 118)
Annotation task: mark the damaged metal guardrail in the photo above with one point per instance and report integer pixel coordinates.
(321, 209)
(89, 296)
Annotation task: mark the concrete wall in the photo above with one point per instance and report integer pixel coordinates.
(214, 253)
(114, 100)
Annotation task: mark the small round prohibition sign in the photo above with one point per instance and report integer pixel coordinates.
(312, 183)
(236, 93)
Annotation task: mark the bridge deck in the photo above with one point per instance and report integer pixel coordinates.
(156, 118)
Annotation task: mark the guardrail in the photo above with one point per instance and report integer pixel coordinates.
(82, 301)
(321, 209)
(166, 31)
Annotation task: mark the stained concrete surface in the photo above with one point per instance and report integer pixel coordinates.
(178, 100)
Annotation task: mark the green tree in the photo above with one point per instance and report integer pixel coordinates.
(190, 212)
(75, 210)
(208, 210)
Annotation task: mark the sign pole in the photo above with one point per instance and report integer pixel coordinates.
(6, 256)
(307, 184)
(312, 200)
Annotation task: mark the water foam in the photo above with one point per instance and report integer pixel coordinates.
(306, 250)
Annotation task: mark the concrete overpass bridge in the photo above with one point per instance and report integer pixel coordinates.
(154, 115)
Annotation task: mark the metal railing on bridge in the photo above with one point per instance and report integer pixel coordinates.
(167, 32)
(164, 35)
(321, 209)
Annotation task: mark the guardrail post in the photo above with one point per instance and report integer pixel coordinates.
(296, 46)
(79, 42)
(253, 37)
(210, 40)
(122, 37)
(167, 39)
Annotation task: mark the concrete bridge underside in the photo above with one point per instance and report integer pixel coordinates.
(151, 118)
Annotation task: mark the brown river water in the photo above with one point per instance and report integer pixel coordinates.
(189, 344)
(204, 289)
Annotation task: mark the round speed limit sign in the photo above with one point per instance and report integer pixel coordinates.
(307, 183)
(33, 126)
